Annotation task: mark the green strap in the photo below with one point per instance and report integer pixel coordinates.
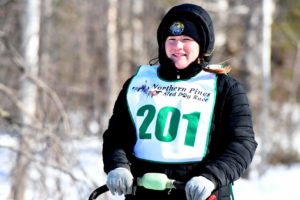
(231, 191)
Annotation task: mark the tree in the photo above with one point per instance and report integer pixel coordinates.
(266, 71)
(112, 55)
(28, 92)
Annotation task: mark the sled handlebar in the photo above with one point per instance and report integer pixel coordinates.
(152, 181)
(102, 189)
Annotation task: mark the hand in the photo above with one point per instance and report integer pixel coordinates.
(120, 180)
(199, 188)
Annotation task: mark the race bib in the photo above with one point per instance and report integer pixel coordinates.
(172, 118)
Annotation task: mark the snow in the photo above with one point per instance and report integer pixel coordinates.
(279, 182)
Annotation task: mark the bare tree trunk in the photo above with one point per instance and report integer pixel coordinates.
(126, 40)
(46, 30)
(292, 121)
(28, 92)
(266, 70)
(251, 62)
(222, 22)
(112, 56)
(296, 74)
(138, 29)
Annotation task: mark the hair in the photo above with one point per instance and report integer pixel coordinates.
(221, 70)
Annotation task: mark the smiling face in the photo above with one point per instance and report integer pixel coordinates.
(182, 50)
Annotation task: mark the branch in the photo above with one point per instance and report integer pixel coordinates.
(44, 132)
(55, 98)
(12, 95)
(22, 67)
(5, 114)
(43, 163)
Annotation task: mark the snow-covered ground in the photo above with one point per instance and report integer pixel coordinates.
(279, 182)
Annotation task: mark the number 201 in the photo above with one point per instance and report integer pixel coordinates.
(174, 116)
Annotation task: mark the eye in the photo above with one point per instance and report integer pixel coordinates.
(170, 39)
(187, 39)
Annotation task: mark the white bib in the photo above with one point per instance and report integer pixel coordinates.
(172, 118)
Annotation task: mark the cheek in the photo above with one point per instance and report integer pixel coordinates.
(194, 51)
(168, 50)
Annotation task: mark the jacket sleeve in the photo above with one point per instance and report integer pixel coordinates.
(119, 138)
(233, 144)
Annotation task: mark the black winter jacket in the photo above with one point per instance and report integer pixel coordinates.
(230, 151)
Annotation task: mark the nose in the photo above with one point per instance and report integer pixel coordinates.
(178, 44)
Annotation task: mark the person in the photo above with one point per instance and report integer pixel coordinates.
(185, 118)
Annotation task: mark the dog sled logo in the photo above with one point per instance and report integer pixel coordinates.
(147, 90)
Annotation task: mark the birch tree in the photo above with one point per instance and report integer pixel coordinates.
(112, 56)
(138, 29)
(251, 60)
(126, 40)
(267, 6)
(28, 91)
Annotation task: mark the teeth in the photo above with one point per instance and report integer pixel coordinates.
(178, 54)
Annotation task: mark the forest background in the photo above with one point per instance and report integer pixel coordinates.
(63, 62)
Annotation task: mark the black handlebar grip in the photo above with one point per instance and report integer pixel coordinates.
(98, 191)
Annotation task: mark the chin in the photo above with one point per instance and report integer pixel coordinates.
(179, 67)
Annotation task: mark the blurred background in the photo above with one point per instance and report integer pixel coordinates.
(63, 62)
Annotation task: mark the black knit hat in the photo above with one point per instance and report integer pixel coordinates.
(194, 16)
(183, 27)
